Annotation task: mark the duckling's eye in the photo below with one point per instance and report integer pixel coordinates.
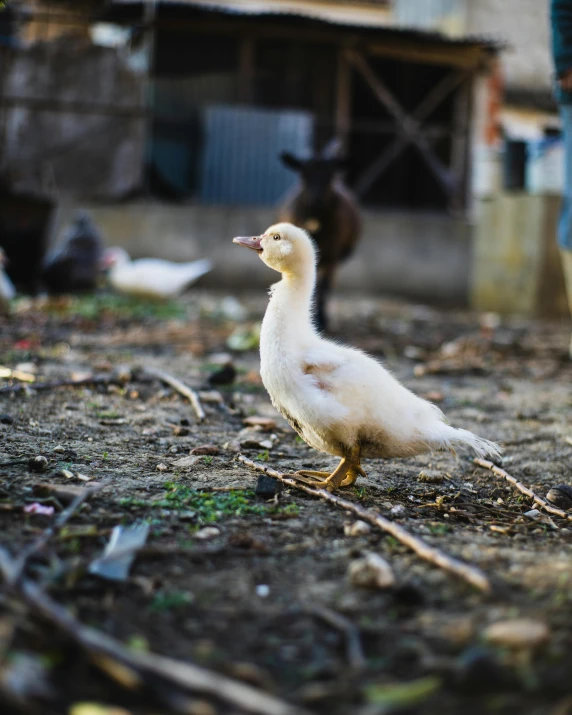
(277, 236)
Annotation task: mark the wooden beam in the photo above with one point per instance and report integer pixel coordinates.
(460, 147)
(343, 100)
(246, 70)
(450, 54)
(463, 56)
(383, 162)
(439, 93)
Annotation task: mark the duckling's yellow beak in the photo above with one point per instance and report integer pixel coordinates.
(252, 242)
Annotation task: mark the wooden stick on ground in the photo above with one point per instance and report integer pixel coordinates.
(471, 574)
(173, 680)
(522, 488)
(180, 387)
(354, 651)
(36, 546)
(83, 382)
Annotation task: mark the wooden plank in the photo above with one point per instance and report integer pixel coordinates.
(343, 100)
(460, 147)
(453, 55)
(246, 70)
(467, 57)
(381, 164)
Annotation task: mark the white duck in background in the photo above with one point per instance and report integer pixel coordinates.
(151, 277)
(7, 290)
(338, 399)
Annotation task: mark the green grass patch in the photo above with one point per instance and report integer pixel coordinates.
(92, 307)
(209, 507)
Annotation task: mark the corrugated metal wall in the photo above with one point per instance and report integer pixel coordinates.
(240, 163)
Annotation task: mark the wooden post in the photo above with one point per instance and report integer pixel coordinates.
(460, 147)
(343, 100)
(246, 70)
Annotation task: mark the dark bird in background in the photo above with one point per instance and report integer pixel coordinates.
(226, 375)
(75, 266)
(324, 207)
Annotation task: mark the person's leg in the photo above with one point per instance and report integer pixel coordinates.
(567, 266)
(565, 223)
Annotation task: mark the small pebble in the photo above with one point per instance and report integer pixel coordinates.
(6, 419)
(263, 590)
(233, 446)
(59, 448)
(517, 633)
(38, 464)
(358, 528)
(185, 462)
(267, 487)
(179, 431)
(372, 571)
(266, 423)
(174, 449)
(162, 467)
(207, 532)
(561, 496)
(397, 510)
(266, 443)
(430, 476)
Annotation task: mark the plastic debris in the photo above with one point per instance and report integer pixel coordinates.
(36, 508)
(119, 553)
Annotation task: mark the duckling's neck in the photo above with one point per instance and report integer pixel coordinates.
(288, 318)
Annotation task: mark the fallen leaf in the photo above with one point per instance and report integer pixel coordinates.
(403, 694)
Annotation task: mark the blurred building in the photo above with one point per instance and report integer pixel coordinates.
(167, 119)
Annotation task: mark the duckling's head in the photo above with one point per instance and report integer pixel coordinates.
(283, 247)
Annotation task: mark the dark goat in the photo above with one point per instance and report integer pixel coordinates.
(326, 209)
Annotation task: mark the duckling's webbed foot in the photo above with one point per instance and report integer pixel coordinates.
(352, 476)
(324, 480)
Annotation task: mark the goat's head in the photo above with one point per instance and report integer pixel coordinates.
(317, 175)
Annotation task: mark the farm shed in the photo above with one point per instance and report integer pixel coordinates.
(228, 85)
(249, 79)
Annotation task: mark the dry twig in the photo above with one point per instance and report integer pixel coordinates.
(471, 574)
(83, 382)
(354, 650)
(522, 488)
(173, 681)
(180, 387)
(36, 546)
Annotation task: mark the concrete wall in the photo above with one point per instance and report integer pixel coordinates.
(524, 24)
(423, 257)
(516, 267)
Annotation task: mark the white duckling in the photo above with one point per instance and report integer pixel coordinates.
(338, 399)
(151, 277)
(7, 290)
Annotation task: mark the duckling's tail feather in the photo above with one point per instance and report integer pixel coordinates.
(482, 447)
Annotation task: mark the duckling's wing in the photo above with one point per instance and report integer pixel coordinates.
(321, 365)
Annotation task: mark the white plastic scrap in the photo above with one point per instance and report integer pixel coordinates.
(119, 554)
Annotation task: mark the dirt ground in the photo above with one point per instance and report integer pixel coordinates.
(244, 585)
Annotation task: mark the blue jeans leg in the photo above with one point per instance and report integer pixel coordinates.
(565, 223)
